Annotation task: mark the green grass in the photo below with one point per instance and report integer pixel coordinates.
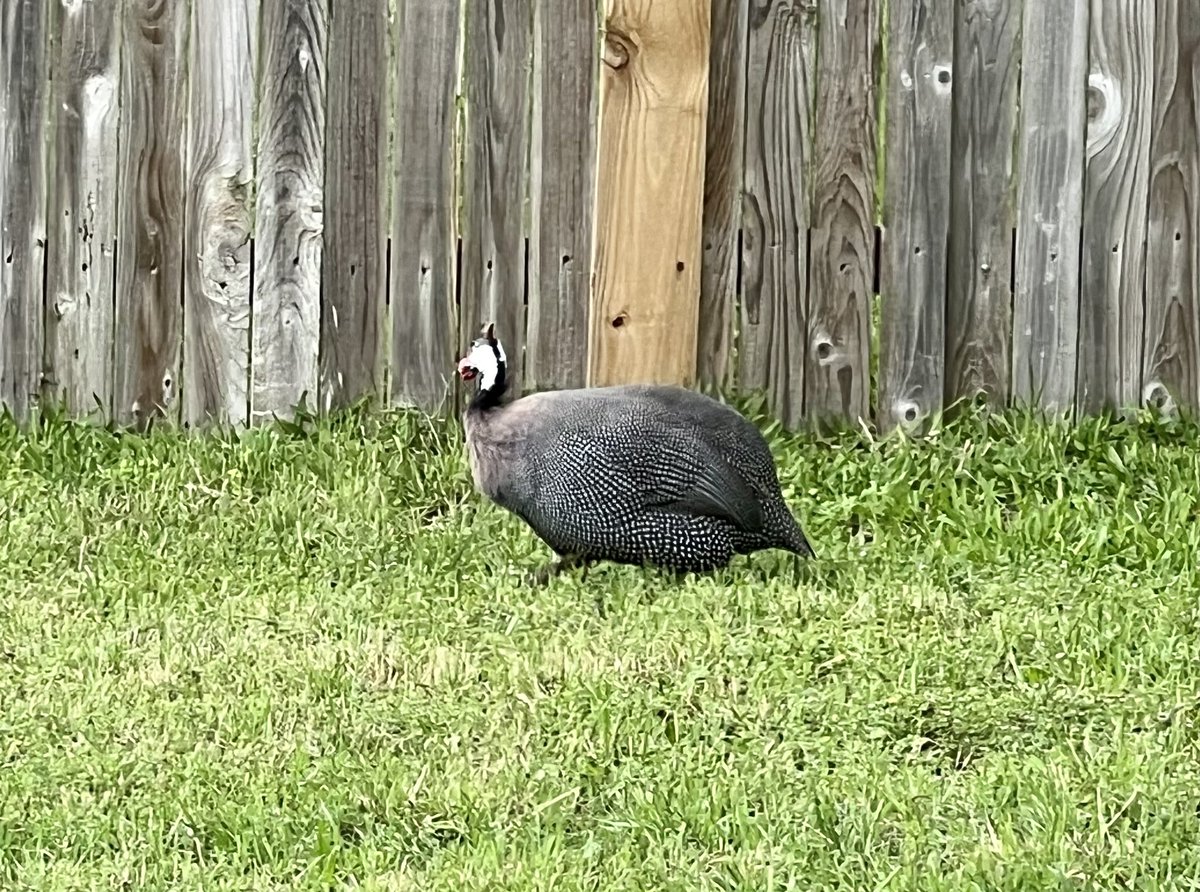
(306, 661)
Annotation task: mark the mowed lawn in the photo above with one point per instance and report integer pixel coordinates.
(307, 660)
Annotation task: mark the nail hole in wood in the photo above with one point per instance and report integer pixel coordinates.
(679, 266)
(619, 320)
(943, 76)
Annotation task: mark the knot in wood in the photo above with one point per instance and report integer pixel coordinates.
(617, 50)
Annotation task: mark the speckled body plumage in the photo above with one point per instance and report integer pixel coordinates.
(634, 474)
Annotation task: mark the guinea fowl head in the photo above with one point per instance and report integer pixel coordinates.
(485, 363)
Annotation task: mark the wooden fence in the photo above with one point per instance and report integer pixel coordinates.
(865, 208)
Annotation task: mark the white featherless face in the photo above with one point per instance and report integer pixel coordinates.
(483, 362)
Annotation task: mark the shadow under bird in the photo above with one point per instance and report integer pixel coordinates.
(635, 474)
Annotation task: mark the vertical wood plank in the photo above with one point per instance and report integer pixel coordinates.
(83, 207)
(776, 204)
(24, 85)
(285, 331)
(424, 230)
(562, 193)
(842, 243)
(1115, 204)
(979, 301)
(723, 166)
(1049, 203)
(498, 39)
(217, 229)
(1172, 323)
(653, 106)
(354, 258)
(148, 324)
(917, 209)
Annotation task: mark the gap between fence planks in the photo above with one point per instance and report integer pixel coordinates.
(24, 90)
(1171, 362)
(653, 101)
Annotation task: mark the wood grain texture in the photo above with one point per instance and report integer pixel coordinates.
(24, 88)
(424, 229)
(1171, 374)
(842, 242)
(912, 357)
(148, 323)
(83, 207)
(561, 192)
(723, 167)
(1049, 203)
(285, 331)
(354, 257)
(653, 106)
(1115, 204)
(217, 229)
(776, 204)
(496, 70)
(979, 300)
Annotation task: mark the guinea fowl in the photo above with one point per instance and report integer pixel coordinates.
(634, 474)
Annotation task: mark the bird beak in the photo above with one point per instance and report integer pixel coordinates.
(464, 370)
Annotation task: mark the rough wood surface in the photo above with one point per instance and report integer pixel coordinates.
(217, 229)
(653, 106)
(424, 229)
(354, 257)
(24, 86)
(288, 235)
(912, 356)
(561, 193)
(842, 243)
(776, 204)
(1115, 204)
(979, 299)
(498, 39)
(148, 322)
(1171, 376)
(83, 207)
(1049, 203)
(723, 166)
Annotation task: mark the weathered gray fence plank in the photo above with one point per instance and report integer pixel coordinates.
(424, 330)
(776, 204)
(1049, 202)
(561, 192)
(912, 356)
(217, 230)
(148, 323)
(842, 243)
(498, 38)
(24, 85)
(723, 178)
(354, 258)
(1171, 376)
(83, 206)
(285, 330)
(1115, 203)
(979, 300)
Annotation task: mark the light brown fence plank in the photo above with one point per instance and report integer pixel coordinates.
(24, 86)
(285, 330)
(424, 229)
(354, 257)
(83, 206)
(842, 242)
(561, 192)
(653, 107)
(979, 299)
(217, 230)
(148, 321)
(1171, 377)
(1049, 203)
(723, 177)
(1115, 203)
(912, 358)
(496, 69)
(776, 204)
